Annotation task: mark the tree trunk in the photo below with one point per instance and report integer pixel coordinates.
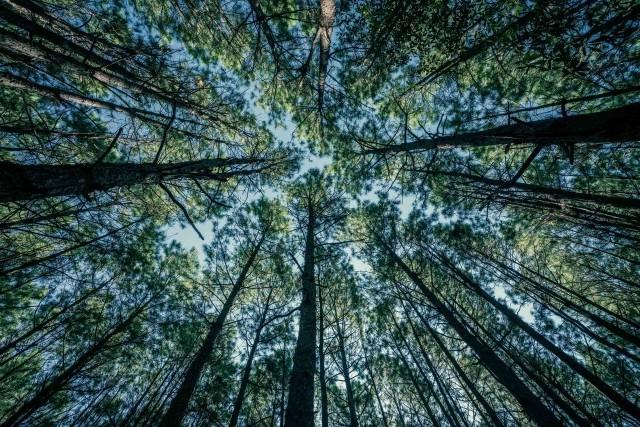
(463, 376)
(325, 28)
(246, 373)
(301, 388)
(324, 405)
(373, 384)
(346, 373)
(180, 402)
(576, 366)
(20, 182)
(554, 193)
(531, 405)
(615, 125)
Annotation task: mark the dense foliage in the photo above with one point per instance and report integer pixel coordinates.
(297, 213)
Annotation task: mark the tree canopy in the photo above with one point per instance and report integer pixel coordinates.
(337, 213)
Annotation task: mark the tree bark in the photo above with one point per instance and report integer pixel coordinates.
(615, 125)
(301, 388)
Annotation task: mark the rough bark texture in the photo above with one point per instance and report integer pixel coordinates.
(27, 182)
(615, 125)
(325, 28)
(301, 388)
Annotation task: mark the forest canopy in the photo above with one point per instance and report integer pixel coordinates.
(304, 213)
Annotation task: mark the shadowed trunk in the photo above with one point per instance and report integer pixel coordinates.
(28, 182)
(531, 404)
(614, 125)
(301, 388)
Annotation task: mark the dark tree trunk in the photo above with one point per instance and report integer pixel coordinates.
(246, 373)
(531, 405)
(463, 376)
(554, 193)
(324, 404)
(614, 125)
(301, 388)
(180, 402)
(373, 384)
(416, 385)
(575, 365)
(20, 182)
(346, 373)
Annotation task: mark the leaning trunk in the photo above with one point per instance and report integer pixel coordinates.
(19, 182)
(178, 407)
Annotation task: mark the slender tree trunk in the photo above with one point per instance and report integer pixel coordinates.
(554, 193)
(19, 182)
(301, 388)
(416, 385)
(246, 373)
(576, 366)
(346, 373)
(283, 383)
(61, 380)
(180, 402)
(615, 125)
(324, 404)
(448, 414)
(452, 407)
(531, 405)
(463, 376)
(373, 383)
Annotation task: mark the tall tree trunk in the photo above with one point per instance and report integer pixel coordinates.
(367, 363)
(418, 388)
(324, 404)
(531, 405)
(575, 365)
(554, 193)
(452, 407)
(19, 182)
(615, 125)
(61, 380)
(463, 376)
(325, 28)
(301, 388)
(246, 373)
(180, 402)
(346, 373)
